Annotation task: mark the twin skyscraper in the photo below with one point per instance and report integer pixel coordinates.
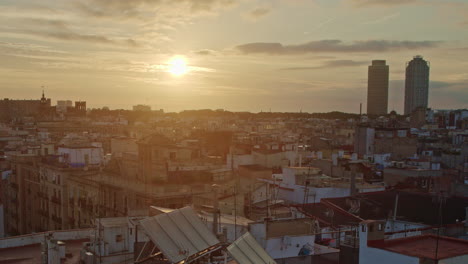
(416, 86)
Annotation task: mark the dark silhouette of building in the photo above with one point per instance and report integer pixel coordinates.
(377, 88)
(11, 109)
(416, 84)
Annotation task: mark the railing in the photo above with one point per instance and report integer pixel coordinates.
(351, 241)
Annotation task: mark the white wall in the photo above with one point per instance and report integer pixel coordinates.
(258, 232)
(237, 160)
(233, 232)
(288, 246)
(280, 247)
(397, 226)
(110, 234)
(455, 260)
(25, 240)
(370, 255)
(77, 155)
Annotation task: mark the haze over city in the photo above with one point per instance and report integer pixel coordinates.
(283, 55)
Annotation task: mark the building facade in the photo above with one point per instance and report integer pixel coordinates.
(416, 84)
(377, 88)
(10, 108)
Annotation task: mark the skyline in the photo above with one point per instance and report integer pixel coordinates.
(88, 50)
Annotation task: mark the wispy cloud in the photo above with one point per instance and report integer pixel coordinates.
(382, 19)
(333, 46)
(367, 3)
(322, 24)
(329, 64)
(205, 52)
(258, 13)
(146, 9)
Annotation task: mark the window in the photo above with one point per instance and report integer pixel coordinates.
(363, 228)
(380, 227)
(118, 238)
(172, 156)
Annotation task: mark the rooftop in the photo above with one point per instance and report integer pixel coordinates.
(378, 205)
(329, 216)
(32, 253)
(425, 246)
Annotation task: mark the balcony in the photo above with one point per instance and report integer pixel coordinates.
(56, 200)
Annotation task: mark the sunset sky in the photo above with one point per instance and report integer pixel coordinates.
(242, 55)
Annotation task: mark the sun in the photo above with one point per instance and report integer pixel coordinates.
(178, 66)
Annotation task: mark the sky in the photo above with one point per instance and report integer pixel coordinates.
(241, 55)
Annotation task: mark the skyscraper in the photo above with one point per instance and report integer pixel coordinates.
(416, 84)
(377, 88)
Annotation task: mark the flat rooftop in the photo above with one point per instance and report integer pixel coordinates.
(424, 246)
(32, 253)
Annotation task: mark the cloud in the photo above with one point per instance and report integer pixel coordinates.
(205, 52)
(333, 46)
(329, 64)
(435, 85)
(136, 23)
(73, 36)
(147, 9)
(367, 3)
(258, 13)
(62, 30)
(382, 19)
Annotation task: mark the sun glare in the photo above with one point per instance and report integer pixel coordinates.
(178, 66)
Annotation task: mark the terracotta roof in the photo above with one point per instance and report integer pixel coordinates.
(424, 246)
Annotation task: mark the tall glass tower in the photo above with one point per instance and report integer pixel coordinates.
(416, 84)
(377, 88)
